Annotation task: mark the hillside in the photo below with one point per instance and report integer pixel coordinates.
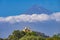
(30, 35)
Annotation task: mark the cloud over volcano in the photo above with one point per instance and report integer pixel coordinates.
(31, 18)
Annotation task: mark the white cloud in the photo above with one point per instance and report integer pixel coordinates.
(31, 18)
(56, 16)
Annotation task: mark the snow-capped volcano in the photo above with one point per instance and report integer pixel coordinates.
(36, 9)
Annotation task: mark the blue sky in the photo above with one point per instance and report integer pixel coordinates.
(10, 8)
(15, 7)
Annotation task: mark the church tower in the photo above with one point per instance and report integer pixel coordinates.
(27, 29)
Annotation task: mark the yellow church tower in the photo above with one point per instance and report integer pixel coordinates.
(27, 29)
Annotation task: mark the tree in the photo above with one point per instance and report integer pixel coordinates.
(12, 37)
(56, 37)
(32, 38)
(31, 33)
(16, 35)
(5, 39)
(1, 38)
(49, 39)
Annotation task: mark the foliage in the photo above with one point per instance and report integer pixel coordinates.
(32, 38)
(21, 35)
(1, 39)
(16, 35)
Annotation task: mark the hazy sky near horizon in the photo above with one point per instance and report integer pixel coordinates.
(48, 24)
